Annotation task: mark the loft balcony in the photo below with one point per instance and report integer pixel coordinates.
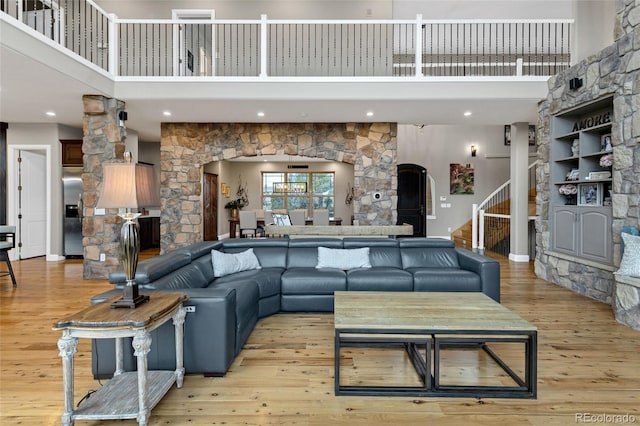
(298, 48)
(211, 63)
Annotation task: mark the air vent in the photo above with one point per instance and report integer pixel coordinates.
(298, 166)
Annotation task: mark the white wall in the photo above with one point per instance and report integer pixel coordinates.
(247, 9)
(479, 9)
(435, 147)
(45, 134)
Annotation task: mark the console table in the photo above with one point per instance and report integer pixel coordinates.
(128, 395)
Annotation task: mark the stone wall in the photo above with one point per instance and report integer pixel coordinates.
(614, 71)
(185, 147)
(103, 142)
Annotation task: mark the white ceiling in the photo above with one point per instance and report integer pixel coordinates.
(35, 78)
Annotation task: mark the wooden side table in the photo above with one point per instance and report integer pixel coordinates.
(128, 395)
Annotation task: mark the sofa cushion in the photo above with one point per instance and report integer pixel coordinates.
(630, 263)
(379, 279)
(267, 280)
(313, 281)
(445, 279)
(155, 268)
(189, 276)
(383, 252)
(202, 248)
(303, 252)
(271, 253)
(229, 263)
(343, 258)
(427, 257)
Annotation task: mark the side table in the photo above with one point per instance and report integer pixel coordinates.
(128, 395)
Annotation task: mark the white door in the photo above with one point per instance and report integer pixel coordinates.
(32, 203)
(194, 44)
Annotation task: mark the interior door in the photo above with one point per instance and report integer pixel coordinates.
(412, 185)
(210, 211)
(32, 205)
(194, 44)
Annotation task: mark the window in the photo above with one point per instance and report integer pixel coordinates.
(288, 191)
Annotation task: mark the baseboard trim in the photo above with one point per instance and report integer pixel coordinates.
(518, 257)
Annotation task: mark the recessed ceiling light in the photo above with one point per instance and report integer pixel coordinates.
(467, 113)
(369, 113)
(50, 113)
(167, 113)
(260, 114)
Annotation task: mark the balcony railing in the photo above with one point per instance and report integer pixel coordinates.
(298, 48)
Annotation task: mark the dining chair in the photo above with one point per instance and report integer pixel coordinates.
(268, 217)
(7, 242)
(298, 216)
(321, 217)
(248, 223)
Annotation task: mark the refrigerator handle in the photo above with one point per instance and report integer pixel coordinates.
(80, 212)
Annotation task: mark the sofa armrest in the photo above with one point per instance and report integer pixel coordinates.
(209, 335)
(488, 269)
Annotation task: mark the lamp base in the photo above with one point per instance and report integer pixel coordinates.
(130, 298)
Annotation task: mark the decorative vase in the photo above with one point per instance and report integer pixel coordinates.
(234, 214)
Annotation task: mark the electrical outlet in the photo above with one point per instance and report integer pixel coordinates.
(103, 257)
(449, 229)
(190, 308)
(100, 212)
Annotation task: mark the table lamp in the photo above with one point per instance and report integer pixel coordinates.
(130, 187)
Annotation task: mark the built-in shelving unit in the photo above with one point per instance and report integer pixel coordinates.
(581, 222)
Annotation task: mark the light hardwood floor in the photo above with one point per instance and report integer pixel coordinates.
(587, 363)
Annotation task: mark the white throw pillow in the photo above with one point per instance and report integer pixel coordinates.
(343, 258)
(230, 263)
(630, 264)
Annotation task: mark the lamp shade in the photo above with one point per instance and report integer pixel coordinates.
(126, 185)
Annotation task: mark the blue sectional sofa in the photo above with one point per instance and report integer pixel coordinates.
(224, 310)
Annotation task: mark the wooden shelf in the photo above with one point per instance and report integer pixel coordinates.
(118, 398)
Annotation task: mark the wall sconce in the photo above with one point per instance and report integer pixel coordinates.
(122, 117)
(474, 150)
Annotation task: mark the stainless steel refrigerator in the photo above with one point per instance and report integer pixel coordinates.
(72, 182)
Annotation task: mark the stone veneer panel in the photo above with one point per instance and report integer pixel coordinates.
(103, 142)
(614, 71)
(185, 147)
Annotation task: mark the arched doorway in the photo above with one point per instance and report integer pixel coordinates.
(412, 184)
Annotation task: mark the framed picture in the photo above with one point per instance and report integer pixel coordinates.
(532, 134)
(461, 179)
(590, 194)
(605, 142)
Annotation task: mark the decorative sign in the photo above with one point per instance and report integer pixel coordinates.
(290, 187)
(592, 121)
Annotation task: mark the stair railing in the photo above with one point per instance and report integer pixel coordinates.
(497, 205)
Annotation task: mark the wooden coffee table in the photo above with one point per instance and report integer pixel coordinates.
(424, 324)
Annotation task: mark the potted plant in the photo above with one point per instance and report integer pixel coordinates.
(234, 207)
(241, 201)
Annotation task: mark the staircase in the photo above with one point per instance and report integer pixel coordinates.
(497, 224)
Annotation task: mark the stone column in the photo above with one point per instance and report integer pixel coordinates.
(103, 142)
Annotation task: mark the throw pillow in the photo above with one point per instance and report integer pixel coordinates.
(630, 264)
(343, 258)
(230, 263)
